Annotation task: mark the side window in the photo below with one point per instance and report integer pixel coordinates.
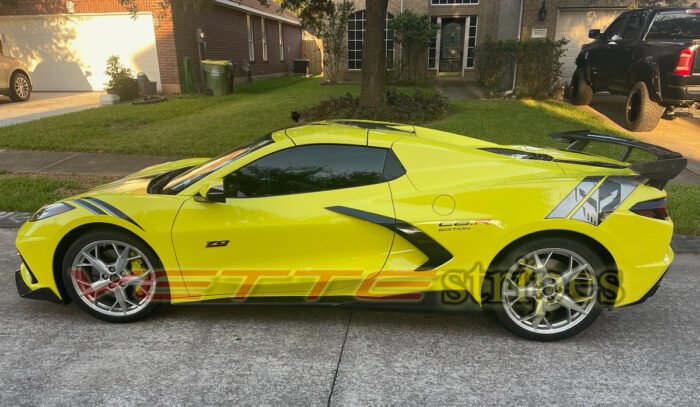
(615, 29)
(312, 168)
(633, 27)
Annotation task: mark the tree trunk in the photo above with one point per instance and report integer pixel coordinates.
(373, 90)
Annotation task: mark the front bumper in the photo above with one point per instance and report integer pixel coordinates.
(39, 294)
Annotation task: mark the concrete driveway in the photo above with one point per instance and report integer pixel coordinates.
(215, 355)
(681, 134)
(45, 104)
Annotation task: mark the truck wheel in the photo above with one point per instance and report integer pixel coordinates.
(641, 113)
(581, 92)
(20, 87)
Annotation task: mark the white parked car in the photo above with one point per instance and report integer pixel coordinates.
(14, 78)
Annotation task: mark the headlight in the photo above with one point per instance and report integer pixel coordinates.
(48, 211)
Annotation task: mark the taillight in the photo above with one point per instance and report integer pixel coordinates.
(685, 62)
(651, 209)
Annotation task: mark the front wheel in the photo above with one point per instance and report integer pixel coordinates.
(641, 113)
(113, 276)
(20, 87)
(580, 91)
(547, 290)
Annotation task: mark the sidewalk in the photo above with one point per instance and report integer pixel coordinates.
(56, 162)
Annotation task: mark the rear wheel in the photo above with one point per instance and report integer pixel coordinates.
(641, 113)
(113, 276)
(581, 92)
(547, 289)
(20, 87)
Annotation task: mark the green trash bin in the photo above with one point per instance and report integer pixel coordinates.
(219, 77)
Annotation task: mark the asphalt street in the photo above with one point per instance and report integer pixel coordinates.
(272, 355)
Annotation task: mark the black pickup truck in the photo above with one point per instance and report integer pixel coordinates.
(650, 55)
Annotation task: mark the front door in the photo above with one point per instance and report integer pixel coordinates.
(280, 232)
(452, 44)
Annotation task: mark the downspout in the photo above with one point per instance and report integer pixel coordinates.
(515, 68)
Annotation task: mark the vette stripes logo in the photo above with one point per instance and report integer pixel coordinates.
(100, 207)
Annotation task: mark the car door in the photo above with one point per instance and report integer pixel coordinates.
(621, 53)
(602, 54)
(279, 233)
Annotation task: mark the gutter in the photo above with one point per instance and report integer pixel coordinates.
(251, 10)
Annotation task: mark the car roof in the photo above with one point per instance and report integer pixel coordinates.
(344, 131)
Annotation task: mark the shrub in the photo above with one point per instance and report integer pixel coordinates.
(333, 30)
(121, 80)
(539, 66)
(418, 107)
(413, 32)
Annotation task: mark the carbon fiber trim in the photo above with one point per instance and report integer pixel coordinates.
(437, 255)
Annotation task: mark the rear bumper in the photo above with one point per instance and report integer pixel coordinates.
(681, 94)
(39, 294)
(651, 292)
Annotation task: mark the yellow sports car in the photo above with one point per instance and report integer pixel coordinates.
(544, 239)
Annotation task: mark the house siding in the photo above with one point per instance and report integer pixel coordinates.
(227, 39)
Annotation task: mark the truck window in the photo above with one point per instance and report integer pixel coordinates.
(633, 27)
(676, 25)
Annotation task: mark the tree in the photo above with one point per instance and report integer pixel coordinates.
(373, 86)
(332, 29)
(413, 32)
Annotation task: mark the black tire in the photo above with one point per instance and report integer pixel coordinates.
(495, 280)
(581, 93)
(641, 113)
(20, 80)
(161, 288)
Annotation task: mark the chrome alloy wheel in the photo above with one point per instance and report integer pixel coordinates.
(21, 86)
(549, 291)
(113, 278)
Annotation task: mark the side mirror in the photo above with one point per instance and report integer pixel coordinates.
(594, 34)
(211, 194)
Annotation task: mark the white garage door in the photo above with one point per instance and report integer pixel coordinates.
(68, 52)
(574, 25)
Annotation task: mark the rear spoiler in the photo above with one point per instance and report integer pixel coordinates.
(668, 164)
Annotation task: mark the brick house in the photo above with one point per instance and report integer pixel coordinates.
(65, 43)
(464, 24)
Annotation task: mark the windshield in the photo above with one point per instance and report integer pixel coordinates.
(679, 25)
(197, 173)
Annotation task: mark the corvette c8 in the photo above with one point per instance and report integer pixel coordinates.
(542, 238)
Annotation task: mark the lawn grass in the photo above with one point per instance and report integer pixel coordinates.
(206, 126)
(28, 192)
(182, 126)
(684, 208)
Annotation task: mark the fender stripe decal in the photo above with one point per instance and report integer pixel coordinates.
(113, 211)
(437, 255)
(90, 207)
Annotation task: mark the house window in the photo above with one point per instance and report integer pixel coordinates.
(281, 40)
(356, 37)
(432, 47)
(263, 29)
(251, 43)
(471, 42)
(443, 2)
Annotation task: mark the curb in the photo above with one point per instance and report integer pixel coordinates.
(679, 243)
(13, 220)
(685, 244)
